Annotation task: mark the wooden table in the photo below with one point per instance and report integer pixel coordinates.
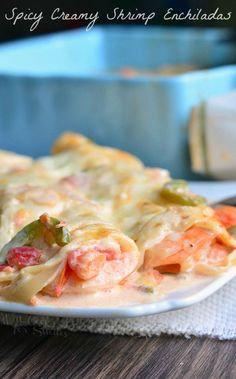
(26, 353)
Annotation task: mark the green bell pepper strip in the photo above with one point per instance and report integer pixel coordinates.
(176, 191)
(48, 228)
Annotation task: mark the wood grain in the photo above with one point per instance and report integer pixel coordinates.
(26, 353)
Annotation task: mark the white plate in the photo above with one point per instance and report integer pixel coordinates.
(175, 300)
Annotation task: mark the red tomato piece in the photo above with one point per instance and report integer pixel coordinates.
(23, 256)
(170, 269)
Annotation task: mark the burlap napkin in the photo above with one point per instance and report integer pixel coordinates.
(214, 317)
(212, 137)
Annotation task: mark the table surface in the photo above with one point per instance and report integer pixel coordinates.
(33, 353)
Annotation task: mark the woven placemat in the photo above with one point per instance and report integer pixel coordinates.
(214, 317)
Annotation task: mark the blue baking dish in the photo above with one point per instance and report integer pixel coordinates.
(71, 81)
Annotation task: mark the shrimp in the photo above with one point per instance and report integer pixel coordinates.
(100, 264)
(226, 215)
(180, 251)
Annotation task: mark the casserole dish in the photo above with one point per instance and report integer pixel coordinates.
(71, 80)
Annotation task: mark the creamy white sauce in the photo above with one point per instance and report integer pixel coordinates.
(121, 296)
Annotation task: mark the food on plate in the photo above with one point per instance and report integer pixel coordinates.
(75, 245)
(90, 219)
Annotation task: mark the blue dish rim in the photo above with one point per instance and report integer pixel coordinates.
(114, 77)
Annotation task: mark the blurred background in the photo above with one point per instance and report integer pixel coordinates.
(161, 91)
